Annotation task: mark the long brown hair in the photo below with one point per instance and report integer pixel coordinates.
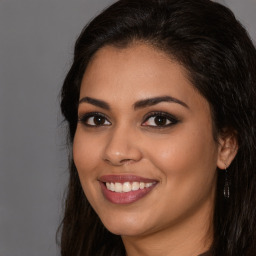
(218, 54)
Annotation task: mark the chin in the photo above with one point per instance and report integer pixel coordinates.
(125, 231)
(128, 226)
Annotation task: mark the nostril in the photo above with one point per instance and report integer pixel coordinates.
(127, 161)
(119, 162)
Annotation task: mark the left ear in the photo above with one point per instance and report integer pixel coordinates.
(228, 147)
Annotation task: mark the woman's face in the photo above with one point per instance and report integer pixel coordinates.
(144, 146)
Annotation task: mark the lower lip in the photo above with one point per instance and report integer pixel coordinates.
(125, 197)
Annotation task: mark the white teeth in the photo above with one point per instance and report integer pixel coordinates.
(118, 187)
(148, 185)
(127, 186)
(135, 186)
(142, 185)
(112, 186)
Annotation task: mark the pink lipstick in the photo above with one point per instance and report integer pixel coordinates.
(125, 189)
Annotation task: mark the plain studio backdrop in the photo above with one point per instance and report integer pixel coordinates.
(36, 47)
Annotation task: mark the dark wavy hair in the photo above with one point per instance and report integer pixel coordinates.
(220, 59)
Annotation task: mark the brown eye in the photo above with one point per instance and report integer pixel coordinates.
(160, 120)
(157, 120)
(99, 120)
(94, 120)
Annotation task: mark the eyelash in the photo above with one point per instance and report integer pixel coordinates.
(168, 118)
(84, 119)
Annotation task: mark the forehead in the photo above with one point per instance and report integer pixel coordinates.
(136, 72)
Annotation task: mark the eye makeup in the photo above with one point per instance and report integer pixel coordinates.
(94, 119)
(159, 120)
(155, 120)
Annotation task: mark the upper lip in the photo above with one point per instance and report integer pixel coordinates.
(125, 178)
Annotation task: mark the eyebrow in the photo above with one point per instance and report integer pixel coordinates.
(153, 101)
(95, 102)
(137, 105)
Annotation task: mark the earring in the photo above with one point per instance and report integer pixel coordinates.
(226, 190)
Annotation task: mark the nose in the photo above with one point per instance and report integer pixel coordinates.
(122, 147)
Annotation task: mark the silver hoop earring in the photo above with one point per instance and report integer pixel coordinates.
(226, 190)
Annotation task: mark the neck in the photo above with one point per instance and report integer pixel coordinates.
(184, 238)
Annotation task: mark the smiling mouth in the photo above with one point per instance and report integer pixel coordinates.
(127, 186)
(125, 189)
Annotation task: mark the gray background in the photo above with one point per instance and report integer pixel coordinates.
(36, 46)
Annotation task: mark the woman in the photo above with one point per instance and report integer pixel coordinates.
(160, 103)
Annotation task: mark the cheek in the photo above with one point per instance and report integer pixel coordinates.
(188, 172)
(84, 153)
(186, 158)
(86, 161)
